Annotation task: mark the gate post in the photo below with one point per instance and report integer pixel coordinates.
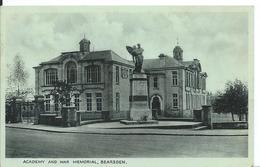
(39, 108)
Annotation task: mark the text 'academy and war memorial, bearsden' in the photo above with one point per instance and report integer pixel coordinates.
(103, 84)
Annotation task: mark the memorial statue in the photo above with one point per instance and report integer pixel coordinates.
(137, 53)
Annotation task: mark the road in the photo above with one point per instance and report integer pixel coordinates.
(21, 143)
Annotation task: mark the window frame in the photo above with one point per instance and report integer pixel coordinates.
(92, 74)
(175, 78)
(155, 82)
(51, 76)
(71, 72)
(89, 101)
(175, 101)
(47, 102)
(99, 101)
(76, 101)
(117, 75)
(117, 102)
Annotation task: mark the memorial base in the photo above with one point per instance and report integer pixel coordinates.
(140, 112)
(128, 122)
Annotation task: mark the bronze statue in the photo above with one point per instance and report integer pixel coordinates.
(137, 53)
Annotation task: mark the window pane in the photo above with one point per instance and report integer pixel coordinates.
(89, 102)
(117, 102)
(71, 72)
(51, 76)
(117, 75)
(174, 78)
(175, 100)
(99, 101)
(155, 82)
(76, 101)
(93, 74)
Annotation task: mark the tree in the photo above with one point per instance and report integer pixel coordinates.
(233, 100)
(18, 75)
(62, 91)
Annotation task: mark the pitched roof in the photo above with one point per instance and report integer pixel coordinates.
(156, 63)
(107, 55)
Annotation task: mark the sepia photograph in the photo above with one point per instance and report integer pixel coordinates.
(98, 85)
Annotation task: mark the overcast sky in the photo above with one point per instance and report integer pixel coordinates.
(218, 39)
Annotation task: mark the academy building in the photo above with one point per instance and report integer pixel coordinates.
(102, 79)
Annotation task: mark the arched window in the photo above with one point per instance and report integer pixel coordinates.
(93, 74)
(71, 72)
(51, 76)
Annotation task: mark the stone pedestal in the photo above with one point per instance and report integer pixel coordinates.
(206, 115)
(39, 108)
(16, 110)
(139, 108)
(70, 116)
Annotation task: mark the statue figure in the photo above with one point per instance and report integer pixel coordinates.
(137, 54)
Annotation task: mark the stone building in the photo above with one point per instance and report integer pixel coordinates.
(175, 87)
(102, 78)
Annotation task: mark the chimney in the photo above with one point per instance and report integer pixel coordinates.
(162, 59)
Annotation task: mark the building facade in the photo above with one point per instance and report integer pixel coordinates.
(102, 82)
(176, 87)
(101, 78)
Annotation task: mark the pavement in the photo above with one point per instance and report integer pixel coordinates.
(115, 128)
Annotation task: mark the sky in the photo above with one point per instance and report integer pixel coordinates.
(218, 38)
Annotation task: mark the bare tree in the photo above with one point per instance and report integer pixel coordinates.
(18, 75)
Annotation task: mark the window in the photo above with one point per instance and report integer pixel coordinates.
(67, 100)
(189, 80)
(93, 74)
(186, 78)
(117, 102)
(174, 78)
(56, 102)
(117, 75)
(99, 101)
(155, 82)
(194, 81)
(187, 101)
(89, 101)
(71, 72)
(51, 76)
(76, 100)
(47, 103)
(175, 100)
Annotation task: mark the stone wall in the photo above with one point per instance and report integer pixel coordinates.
(90, 115)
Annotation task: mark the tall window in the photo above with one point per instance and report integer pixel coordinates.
(99, 101)
(67, 100)
(47, 102)
(117, 102)
(175, 100)
(51, 76)
(155, 82)
(174, 78)
(76, 100)
(187, 101)
(93, 74)
(71, 72)
(89, 101)
(56, 102)
(186, 78)
(117, 75)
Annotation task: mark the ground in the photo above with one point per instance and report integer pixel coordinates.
(43, 144)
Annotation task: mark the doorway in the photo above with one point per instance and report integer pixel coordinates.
(156, 107)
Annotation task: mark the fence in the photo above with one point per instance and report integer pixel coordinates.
(224, 117)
